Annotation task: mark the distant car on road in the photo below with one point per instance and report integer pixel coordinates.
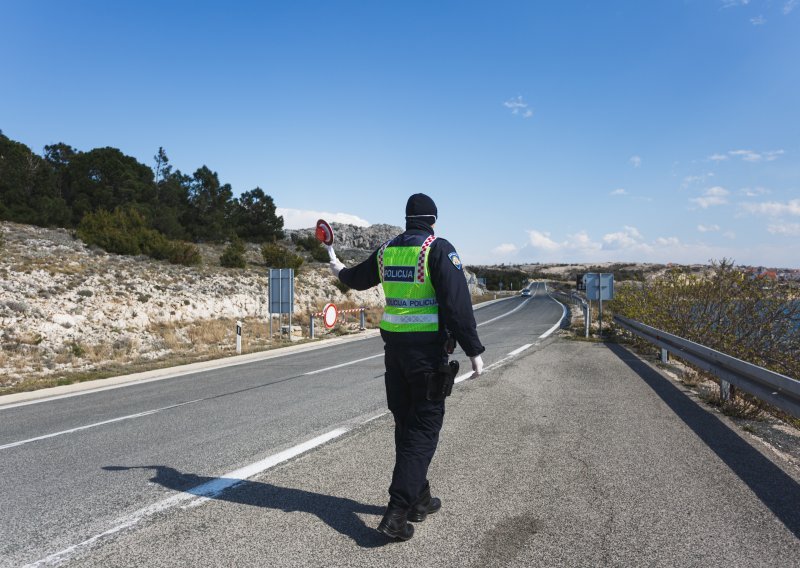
(526, 292)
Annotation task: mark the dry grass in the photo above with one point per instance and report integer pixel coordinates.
(46, 264)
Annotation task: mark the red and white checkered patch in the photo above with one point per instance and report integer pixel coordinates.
(380, 259)
(421, 259)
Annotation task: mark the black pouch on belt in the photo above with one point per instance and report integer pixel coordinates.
(440, 383)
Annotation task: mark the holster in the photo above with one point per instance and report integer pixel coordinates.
(440, 382)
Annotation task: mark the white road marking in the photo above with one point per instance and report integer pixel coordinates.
(558, 323)
(149, 412)
(496, 364)
(95, 424)
(201, 492)
(520, 349)
(344, 364)
(522, 305)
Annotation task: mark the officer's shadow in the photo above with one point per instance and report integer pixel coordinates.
(339, 513)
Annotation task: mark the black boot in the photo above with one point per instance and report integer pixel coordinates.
(395, 523)
(424, 505)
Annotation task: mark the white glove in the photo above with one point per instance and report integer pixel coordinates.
(336, 266)
(477, 365)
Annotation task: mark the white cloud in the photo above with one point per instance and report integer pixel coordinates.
(713, 196)
(540, 240)
(733, 3)
(505, 249)
(718, 157)
(636, 161)
(702, 178)
(708, 228)
(789, 6)
(519, 107)
(629, 244)
(729, 235)
(751, 156)
(627, 238)
(754, 191)
(773, 155)
(305, 218)
(758, 20)
(786, 229)
(773, 208)
(746, 155)
(668, 241)
(581, 241)
(619, 191)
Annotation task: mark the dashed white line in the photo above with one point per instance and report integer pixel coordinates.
(344, 364)
(198, 495)
(94, 425)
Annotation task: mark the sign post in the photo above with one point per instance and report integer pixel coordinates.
(599, 286)
(238, 337)
(281, 296)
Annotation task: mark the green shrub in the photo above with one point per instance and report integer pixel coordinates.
(313, 246)
(729, 309)
(276, 256)
(233, 255)
(125, 231)
(343, 288)
(184, 253)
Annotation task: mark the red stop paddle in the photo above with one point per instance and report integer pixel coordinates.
(324, 234)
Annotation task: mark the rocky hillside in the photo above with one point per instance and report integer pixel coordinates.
(66, 308)
(351, 242)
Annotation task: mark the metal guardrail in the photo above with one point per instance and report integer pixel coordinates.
(774, 388)
(585, 307)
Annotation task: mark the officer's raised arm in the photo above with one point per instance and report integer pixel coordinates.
(360, 277)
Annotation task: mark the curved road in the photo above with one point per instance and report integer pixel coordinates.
(72, 468)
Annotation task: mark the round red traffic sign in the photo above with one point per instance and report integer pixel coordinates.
(329, 315)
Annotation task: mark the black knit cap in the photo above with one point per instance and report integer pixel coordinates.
(421, 206)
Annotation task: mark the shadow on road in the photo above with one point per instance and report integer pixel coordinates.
(771, 484)
(339, 513)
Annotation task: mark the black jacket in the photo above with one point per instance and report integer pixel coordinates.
(452, 293)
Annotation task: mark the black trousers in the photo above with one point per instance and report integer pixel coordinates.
(417, 421)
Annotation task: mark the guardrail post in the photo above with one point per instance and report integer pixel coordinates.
(664, 355)
(363, 322)
(725, 391)
(587, 314)
(311, 326)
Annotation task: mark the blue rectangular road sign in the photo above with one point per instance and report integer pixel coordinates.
(281, 290)
(599, 285)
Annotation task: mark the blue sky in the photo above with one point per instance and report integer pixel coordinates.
(653, 131)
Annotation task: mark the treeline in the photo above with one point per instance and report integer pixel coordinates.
(501, 279)
(64, 186)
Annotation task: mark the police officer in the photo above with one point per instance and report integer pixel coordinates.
(427, 301)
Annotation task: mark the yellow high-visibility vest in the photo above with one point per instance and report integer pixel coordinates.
(410, 298)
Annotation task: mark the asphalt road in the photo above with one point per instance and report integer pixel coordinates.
(74, 468)
(567, 453)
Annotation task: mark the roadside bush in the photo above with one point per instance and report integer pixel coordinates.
(276, 256)
(185, 254)
(125, 232)
(729, 309)
(233, 255)
(313, 246)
